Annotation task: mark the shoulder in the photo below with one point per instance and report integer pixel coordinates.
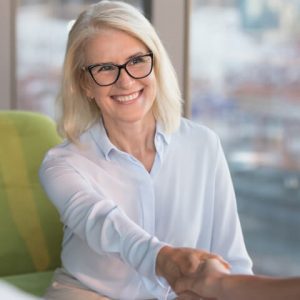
(189, 126)
(195, 134)
(69, 150)
(60, 155)
(194, 141)
(193, 145)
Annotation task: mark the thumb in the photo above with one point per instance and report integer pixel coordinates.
(184, 284)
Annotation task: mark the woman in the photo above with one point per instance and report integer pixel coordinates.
(144, 194)
(213, 281)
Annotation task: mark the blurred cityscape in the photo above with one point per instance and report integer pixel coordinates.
(245, 84)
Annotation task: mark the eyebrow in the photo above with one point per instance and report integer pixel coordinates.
(128, 58)
(136, 54)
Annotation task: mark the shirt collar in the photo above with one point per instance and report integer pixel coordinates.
(161, 132)
(100, 137)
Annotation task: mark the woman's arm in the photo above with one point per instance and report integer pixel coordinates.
(95, 218)
(106, 228)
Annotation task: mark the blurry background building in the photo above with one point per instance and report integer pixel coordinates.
(245, 84)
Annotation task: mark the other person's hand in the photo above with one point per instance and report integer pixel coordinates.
(174, 263)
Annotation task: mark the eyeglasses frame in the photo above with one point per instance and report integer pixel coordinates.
(120, 67)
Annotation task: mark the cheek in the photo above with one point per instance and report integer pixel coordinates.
(152, 84)
(100, 93)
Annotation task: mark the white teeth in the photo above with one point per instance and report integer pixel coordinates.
(126, 98)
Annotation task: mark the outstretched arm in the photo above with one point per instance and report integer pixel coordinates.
(106, 228)
(213, 281)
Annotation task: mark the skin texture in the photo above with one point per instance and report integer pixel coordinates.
(212, 281)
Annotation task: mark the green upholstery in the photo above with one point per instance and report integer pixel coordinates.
(33, 283)
(30, 230)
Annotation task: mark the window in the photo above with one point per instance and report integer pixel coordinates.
(42, 29)
(245, 84)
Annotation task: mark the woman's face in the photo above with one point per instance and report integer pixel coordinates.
(128, 100)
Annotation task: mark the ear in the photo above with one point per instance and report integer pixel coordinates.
(87, 88)
(89, 93)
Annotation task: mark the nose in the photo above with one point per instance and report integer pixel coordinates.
(124, 80)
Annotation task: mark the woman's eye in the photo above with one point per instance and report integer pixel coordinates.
(137, 60)
(105, 68)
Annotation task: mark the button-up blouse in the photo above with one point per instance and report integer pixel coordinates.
(117, 215)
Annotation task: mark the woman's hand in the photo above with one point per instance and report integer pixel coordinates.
(175, 263)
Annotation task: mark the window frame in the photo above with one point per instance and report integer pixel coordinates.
(8, 54)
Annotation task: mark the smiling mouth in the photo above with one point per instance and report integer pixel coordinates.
(127, 98)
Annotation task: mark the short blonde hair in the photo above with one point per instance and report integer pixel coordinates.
(77, 112)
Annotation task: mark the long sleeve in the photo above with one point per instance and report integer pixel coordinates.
(97, 220)
(118, 216)
(227, 233)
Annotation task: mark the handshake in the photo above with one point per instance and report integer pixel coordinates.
(192, 273)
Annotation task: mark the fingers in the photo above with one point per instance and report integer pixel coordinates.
(184, 267)
(189, 260)
(209, 256)
(178, 261)
(186, 284)
(213, 266)
(206, 282)
(188, 296)
(225, 264)
(191, 263)
(195, 260)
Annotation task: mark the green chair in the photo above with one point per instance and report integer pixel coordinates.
(30, 229)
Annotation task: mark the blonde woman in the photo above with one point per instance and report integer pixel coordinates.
(145, 195)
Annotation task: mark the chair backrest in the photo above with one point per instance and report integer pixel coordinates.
(30, 229)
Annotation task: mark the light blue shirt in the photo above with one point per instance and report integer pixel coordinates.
(118, 216)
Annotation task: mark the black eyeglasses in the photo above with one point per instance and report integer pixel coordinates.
(107, 74)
